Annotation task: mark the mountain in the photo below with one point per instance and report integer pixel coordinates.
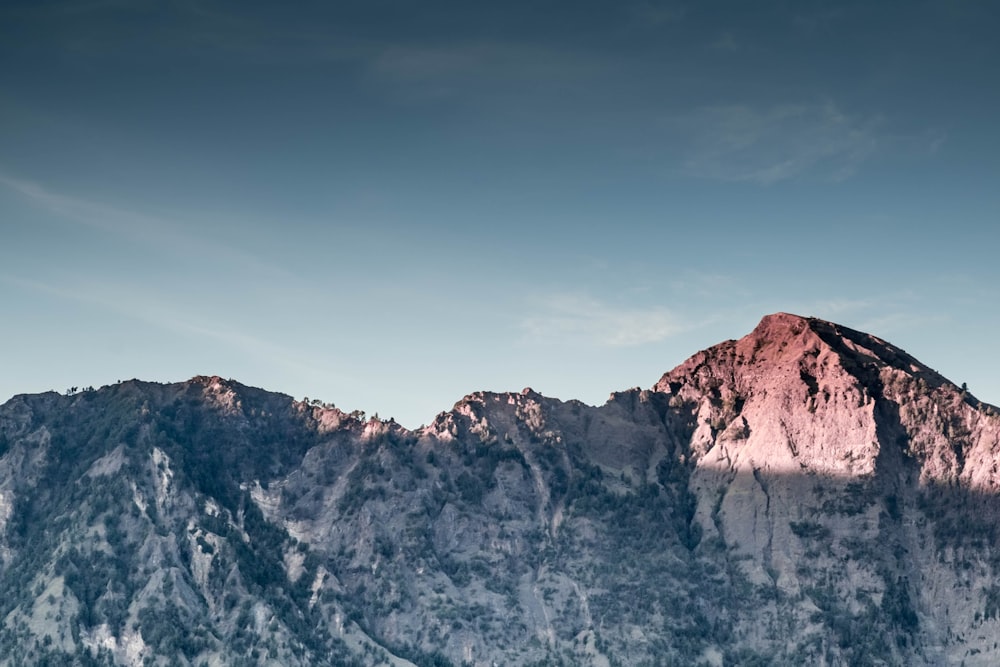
(808, 494)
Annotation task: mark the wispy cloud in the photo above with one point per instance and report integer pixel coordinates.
(725, 42)
(148, 230)
(766, 145)
(154, 311)
(657, 12)
(583, 319)
(891, 324)
(707, 285)
(485, 70)
(55, 203)
(100, 29)
(830, 308)
(885, 314)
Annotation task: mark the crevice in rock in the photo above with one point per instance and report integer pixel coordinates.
(766, 555)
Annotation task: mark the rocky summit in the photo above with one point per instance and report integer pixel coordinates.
(806, 495)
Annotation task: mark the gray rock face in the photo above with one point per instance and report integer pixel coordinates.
(807, 494)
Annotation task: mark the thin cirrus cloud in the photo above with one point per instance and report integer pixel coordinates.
(885, 315)
(160, 314)
(148, 230)
(766, 145)
(655, 14)
(570, 318)
(484, 70)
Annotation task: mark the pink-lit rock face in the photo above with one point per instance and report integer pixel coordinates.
(779, 400)
(804, 395)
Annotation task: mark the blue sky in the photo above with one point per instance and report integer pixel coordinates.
(387, 205)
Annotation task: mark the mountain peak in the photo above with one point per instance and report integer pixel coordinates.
(785, 341)
(782, 336)
(783, 322)
(801, 392)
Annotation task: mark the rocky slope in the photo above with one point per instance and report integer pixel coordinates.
(807, 494)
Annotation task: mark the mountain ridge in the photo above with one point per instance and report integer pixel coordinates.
(805, 493)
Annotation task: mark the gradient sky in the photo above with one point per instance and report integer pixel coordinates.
(387, 205)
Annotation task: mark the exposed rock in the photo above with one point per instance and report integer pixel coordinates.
(808, 494)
